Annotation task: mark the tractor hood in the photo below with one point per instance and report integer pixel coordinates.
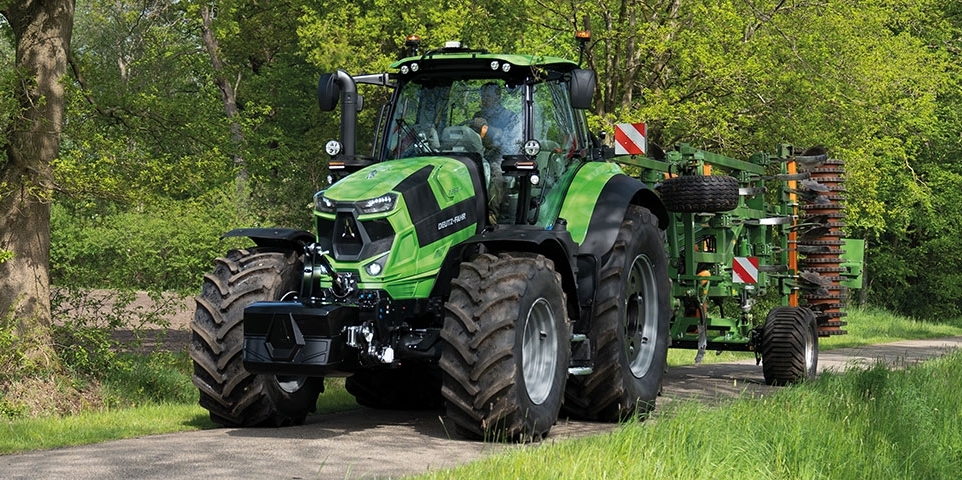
(395, 221)
(422, 184)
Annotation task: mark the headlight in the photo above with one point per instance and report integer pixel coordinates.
(532, 148)
(376, 268)
(384, 203)
(323, 204)
(333, 148)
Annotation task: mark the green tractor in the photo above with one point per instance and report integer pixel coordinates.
(495, 265)
(484, 255)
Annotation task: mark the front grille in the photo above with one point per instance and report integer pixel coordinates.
(349, 239)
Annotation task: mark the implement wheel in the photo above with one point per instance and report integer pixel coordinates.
(789, 345)
(699, 193)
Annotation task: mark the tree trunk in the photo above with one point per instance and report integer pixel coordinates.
(228, 93)
(42, 30)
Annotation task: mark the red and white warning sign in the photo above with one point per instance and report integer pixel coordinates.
(745, 270)
(631, 138)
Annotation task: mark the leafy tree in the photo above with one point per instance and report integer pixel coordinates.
(145, 121)
(866, 78)
(176, 101)
(914, 268)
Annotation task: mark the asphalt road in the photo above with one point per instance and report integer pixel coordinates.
(368, 444)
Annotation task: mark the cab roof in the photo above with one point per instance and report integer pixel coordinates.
(466, 61)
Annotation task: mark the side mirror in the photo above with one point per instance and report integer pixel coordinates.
(582, 88)
(328, 92)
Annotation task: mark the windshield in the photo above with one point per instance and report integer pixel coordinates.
(492, 119)
(481, 116)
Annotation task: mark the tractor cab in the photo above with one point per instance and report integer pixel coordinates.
(518, 116)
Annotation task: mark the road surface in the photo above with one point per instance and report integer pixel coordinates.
(369, 444)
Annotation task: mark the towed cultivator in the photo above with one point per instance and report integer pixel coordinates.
(742, 230)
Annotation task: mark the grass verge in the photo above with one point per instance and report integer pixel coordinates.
(874, 423)
(138, 395)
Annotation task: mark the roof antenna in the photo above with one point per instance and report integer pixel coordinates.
(583, 37)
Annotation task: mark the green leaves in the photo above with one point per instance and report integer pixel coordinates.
(875, 81)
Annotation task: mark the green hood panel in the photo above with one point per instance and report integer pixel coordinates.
(386, 177)
(440, 203)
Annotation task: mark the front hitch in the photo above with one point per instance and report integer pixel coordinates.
(342, 285)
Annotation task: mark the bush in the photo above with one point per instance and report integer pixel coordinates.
(163, 248)
(85, 334)
(98, 337)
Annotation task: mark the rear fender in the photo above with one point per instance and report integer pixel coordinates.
(596, 205)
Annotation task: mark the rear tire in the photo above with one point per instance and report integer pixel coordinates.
(789, 346)
(506, 348)
(629, 330)
(233, 396)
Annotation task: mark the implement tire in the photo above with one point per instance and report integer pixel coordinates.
(233, 396)
(506, 348)
(699, 193)
(789, 346)
(629, 330)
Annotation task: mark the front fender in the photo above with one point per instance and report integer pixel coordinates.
(286, 238)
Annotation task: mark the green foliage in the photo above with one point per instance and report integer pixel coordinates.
(84, 334)
(99, 337)
(872, 423)
(10, 353)
(147, 144)
(160, 247)
(161, 377)
(8, 103)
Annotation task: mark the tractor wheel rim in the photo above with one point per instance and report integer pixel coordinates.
(641, 316)
(539, 359)
(290, 384)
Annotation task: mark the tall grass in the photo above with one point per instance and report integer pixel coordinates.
(874, 423)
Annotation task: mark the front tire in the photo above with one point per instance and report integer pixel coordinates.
(630, 326)
(233, 396)
(506, 348)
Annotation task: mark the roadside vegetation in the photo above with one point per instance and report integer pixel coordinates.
(874, 423)
(117, 387)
